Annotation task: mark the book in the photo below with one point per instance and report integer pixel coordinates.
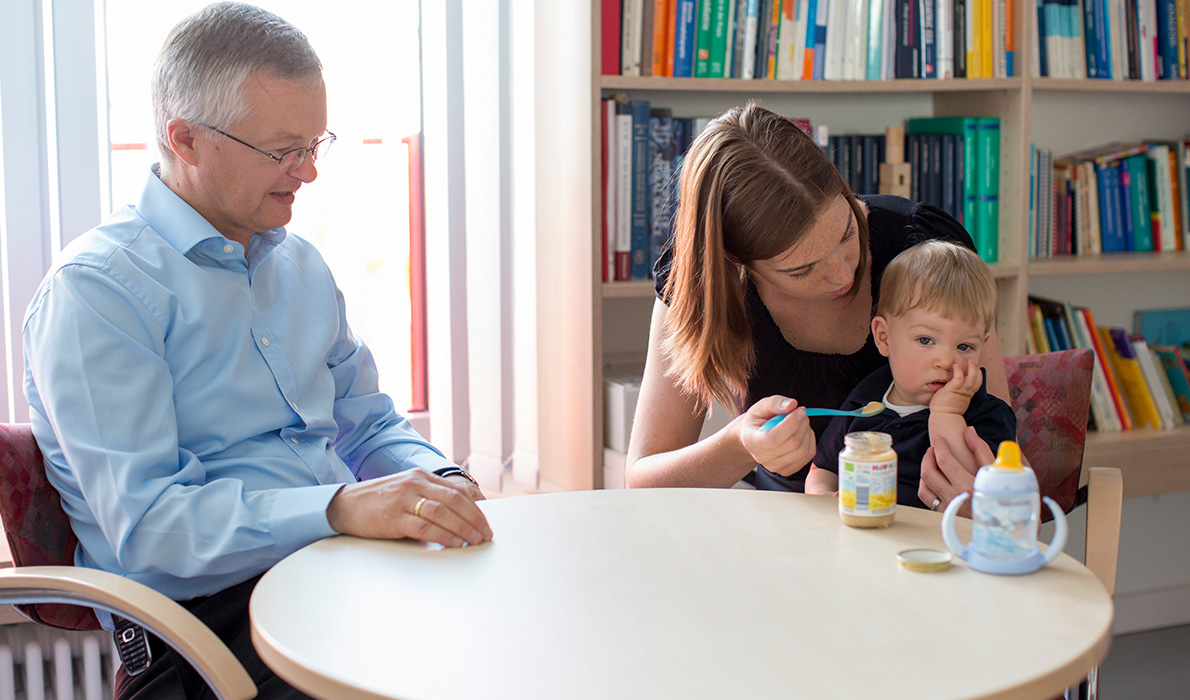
(646, 34)
(875, 53)
(987, 188)
(705, 19)
(607, 187)
(751, 28)
(944, 31)
(1103, 360)
(721, 11)
(622, 248)
(639, 237)
(685, 21)
(632, 19)
(1037, 327)
(1157, 382)
(907, 57)
(663, 152)
(810, 42)
(660, 31)
(1139, 202)
(1163, 326)
(609, 32)
(1102, 405)
(1177, 374)
(1167, 40)
(1130, 377)
(965, 129)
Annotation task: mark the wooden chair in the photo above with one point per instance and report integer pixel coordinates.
(47, 588)
(1051, 396)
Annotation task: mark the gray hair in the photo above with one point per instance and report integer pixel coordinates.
(207, 57)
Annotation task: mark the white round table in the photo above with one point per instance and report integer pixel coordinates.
(673, 593)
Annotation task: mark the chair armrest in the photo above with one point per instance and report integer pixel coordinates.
(173, 624)
(1105, 500)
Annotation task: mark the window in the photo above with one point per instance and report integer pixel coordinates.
(358, 210)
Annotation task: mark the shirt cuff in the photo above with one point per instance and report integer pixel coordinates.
(398, 457)
(298, 516)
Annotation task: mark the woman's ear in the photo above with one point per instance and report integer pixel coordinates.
(880, 334)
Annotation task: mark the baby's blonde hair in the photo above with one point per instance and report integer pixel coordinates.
(942, 277)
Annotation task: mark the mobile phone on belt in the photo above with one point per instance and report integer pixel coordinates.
(132, 644)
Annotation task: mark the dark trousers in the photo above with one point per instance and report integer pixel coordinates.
(170, 677)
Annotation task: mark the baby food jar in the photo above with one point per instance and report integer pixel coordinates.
(867, 480)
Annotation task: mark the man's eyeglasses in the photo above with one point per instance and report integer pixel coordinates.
(289, 160)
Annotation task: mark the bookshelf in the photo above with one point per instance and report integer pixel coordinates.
(1062, 114)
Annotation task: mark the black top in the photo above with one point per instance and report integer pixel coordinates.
(817, 379)
(990, 416)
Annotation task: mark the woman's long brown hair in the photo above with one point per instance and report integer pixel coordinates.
(752, 184)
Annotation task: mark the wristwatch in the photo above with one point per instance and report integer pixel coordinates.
(457, 471)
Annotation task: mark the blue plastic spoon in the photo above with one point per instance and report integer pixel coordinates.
(871, 409)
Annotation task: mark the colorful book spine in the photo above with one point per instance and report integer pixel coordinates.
(663, 151)
(717, 60)
(966, 129)
(1140, 202)
(1103, 359)
(820, 39)
(987, 188)
(1167, 40)
(702, 38)
(622, 251)
(1132, 381)
(811, 39)
(609, 32)
(640, 190)
(1106, 417)
(1178, 376)
(751, 27)
(685, 36)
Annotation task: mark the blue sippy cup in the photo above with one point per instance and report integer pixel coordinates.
(1005, 510)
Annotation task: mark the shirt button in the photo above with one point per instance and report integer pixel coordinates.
(228, 248)
(295, 441)
(264, 341)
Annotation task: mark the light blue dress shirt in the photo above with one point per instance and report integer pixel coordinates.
(198, 408)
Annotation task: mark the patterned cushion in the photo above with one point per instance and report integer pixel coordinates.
(1051, 396)
(37, 528)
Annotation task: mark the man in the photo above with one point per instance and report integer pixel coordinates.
(202, 405)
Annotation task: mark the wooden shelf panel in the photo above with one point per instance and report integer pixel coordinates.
(1148, 87)
(728, 85)
(1109, 263)
(643, 289)
(637, 289)
(1152, 461)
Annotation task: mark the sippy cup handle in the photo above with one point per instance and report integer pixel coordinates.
(1059, 542)
(951, 538)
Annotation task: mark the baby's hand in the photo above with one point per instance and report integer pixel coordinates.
(955, 397)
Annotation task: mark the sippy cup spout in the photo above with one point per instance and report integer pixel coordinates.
(1008, 456)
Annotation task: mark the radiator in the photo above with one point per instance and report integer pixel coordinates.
(42, 663)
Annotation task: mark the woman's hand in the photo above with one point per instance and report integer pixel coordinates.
(944, 477)
(788, 446)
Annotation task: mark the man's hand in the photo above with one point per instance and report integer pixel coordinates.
(466, 486)
(413, 503)
(955, 397)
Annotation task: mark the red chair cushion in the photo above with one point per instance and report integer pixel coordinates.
(37, 528)
(1051, 396)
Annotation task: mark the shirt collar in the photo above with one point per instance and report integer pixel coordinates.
(183, 227)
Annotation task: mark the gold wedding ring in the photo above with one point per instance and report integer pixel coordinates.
(417, 508)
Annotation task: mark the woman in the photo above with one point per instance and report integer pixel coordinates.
(765, 302)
